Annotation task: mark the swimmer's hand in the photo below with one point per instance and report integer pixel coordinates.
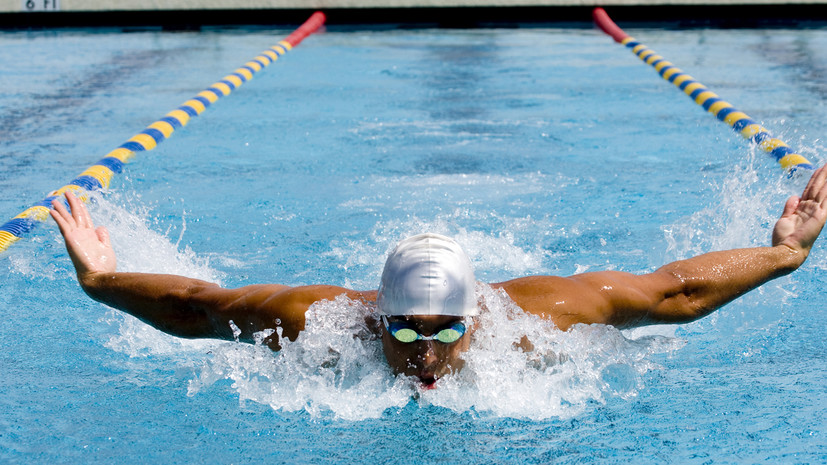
(804, 216)
(88, 247)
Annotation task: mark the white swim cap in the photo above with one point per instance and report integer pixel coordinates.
(427, 274)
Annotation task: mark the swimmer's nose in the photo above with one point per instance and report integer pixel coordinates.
(428, 357)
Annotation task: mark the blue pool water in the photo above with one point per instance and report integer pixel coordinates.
(542, 151)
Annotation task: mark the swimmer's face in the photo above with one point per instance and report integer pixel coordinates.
(427, 360)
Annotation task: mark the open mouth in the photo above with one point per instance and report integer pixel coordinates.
(428, 381)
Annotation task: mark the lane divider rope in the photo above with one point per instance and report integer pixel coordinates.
(724, 111)
(98, 175)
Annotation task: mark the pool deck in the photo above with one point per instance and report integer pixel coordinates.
(10, 6)
(463, 13)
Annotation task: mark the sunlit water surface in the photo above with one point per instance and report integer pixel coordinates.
(542, 151)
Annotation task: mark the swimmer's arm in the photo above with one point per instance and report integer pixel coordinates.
(182, 306)
(192, 308)
(690, 289)
(685, 290)
(178, 305)
(679, 292)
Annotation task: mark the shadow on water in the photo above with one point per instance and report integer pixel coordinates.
(802, 57)
(60, 106)
(455, 77)
(452, 74)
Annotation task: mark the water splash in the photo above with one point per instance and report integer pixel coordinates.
(141, 248)
(336, 367)
(745, 210)
(748, 202)
(560, 375)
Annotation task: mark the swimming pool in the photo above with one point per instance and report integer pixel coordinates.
(540, 150)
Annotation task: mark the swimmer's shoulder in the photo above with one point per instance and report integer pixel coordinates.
(566, 301)
(260, 305)
(280, 301)
(305, 296)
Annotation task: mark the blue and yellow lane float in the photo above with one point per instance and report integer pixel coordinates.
(98, 175)
(724, 111)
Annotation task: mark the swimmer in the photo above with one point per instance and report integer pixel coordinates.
(426, 303)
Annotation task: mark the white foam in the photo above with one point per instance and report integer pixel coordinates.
(335, 366)
(328, 371)
(32, 266)
(140, 248)
(743, 215)
(560, 377)
(137, 339)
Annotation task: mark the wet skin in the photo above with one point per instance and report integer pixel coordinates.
(678, 292)
(427, 360)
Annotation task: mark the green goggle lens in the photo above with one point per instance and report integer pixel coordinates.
(405, 335)
(446, 336)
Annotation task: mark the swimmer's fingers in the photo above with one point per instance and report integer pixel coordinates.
(815, 189)
(79, 211)
(103, 236)
(63, 218)
(803, 218)
(791, 206)
(821, 195)
(71, 223)
(89, 249)
(814, 198)
(789, 221)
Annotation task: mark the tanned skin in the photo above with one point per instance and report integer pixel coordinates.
(679, 292)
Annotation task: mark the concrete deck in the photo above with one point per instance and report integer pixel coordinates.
(14, 6)
(192, 13)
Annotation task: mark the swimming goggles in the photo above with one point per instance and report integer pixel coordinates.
(402, 332)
